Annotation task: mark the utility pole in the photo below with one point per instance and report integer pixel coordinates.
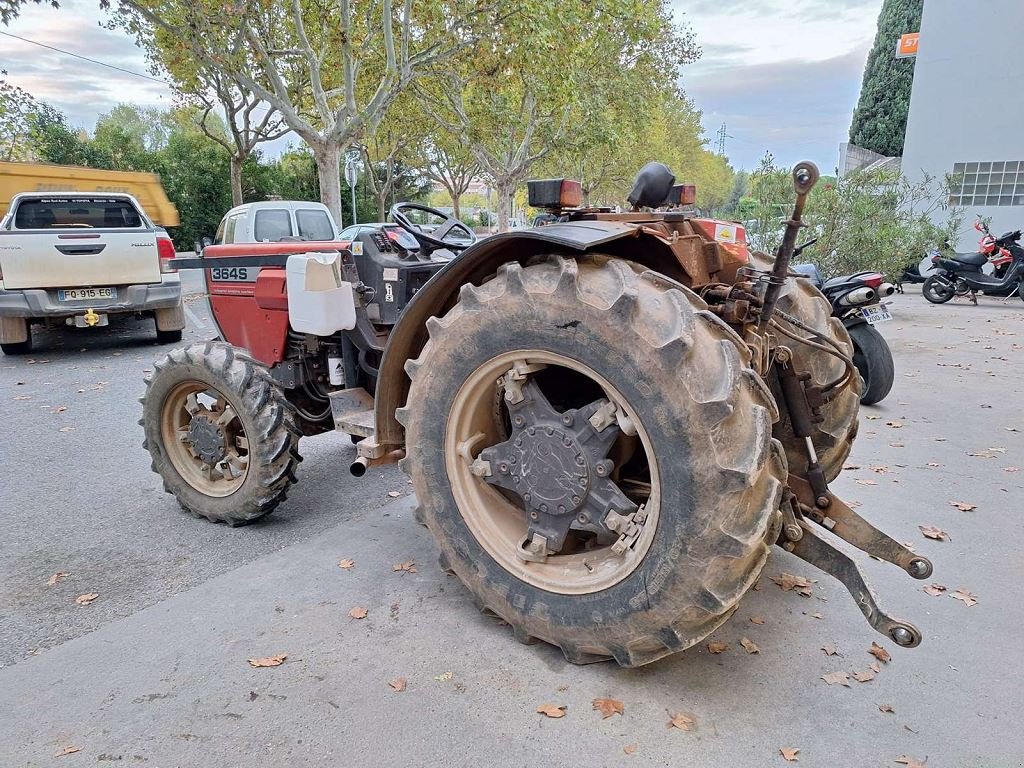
(722, 136)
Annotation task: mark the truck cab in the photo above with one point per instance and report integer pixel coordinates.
(275, 221)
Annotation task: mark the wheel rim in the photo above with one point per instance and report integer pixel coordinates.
(940, 290)
(204, 438)
(499, 519)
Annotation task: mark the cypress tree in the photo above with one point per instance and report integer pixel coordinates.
(880, 120)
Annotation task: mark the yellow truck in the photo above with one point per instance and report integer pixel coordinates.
(44, 177)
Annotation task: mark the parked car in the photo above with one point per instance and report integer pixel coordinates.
(77, 258)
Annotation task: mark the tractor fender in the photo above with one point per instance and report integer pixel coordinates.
(480, 262)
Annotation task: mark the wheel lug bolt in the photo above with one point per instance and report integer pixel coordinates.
(544, 508)
(503, 468)
(576, 500)
(533, 515)
(567, 419)
(580, 461)
(902, 635)
(518, 421)
(527, 497)
(561, 509)
(514, 459)
(583, 518)
(531, 431)
(549, 431)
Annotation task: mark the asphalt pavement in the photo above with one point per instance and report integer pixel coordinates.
(154, 671)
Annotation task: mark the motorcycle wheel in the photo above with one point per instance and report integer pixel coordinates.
(937, 289)
(873, 358)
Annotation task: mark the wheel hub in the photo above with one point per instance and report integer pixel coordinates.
(207, 439)
(556, 463)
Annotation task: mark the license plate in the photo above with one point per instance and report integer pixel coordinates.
(83, 294)
(875, 314)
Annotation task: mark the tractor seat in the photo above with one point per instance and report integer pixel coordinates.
(974, 259)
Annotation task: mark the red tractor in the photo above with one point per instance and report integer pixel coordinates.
(607, 420)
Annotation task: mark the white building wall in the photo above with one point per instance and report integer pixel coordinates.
(967, 107)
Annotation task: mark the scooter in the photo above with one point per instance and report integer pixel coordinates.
(856, 300)
(962, 273)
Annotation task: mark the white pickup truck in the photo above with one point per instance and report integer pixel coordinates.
(77, 258)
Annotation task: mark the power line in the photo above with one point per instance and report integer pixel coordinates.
(85, 58)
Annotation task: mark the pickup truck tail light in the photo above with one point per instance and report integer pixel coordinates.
(165, 250)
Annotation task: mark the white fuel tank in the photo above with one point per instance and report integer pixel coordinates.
(319, 301)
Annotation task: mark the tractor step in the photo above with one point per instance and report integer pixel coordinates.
(353, 411)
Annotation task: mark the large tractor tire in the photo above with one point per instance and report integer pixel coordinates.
(220, 432)
(690, 446)
(836, 433)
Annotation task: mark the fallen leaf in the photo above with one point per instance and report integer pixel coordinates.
(894, 424)
(968, 598)
(788, 582)
(749, 646)
(963, 506)
(879, 653)
(935, 589)
(872, 418)
(629, 749)
(681, 720)
(68, 750)
(837, 678)
(1011, 469)
(897, 445)
(873, 666)
(910, 762)
(57, 577)
(865, 482)
(931, 532)
(886, 708)
(608, 707)
(854, 466)
(790, 754)
(443, 677)
(394, 494)
(551, 710)
(358, 612)
(880, 468)
(409, 567)
(757, 619)
(398, 684)
(717, 647)
(346, 564)
(86, 598)
(269, 661)
(830, 650)
(59, 409)
(22, 397)
(817, 616)
(865, 676)
(933, 464)
(66, 429)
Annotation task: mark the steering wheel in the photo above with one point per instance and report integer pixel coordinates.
(435, 239)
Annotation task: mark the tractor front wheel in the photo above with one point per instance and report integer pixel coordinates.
(220, 432)
(593, 454)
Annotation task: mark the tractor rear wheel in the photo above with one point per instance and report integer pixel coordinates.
(220, 432)
(593, 455)
(837, 431)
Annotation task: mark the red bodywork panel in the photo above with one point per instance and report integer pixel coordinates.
(254, 315)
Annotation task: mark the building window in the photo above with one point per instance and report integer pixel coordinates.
(991, 183)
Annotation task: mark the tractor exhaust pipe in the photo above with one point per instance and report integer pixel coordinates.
(362, 463)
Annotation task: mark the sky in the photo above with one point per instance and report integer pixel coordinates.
(783, 75)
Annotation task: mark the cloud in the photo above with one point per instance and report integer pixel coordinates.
(78, 88)
(795, 109)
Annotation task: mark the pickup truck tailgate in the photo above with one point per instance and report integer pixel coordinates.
(61, 260)
(69, 243)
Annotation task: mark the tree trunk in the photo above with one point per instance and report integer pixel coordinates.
(236, 179)
(505, 191)
(382, 202)
(328, 169)
(456, 212)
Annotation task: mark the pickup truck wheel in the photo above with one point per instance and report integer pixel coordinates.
(220, 432)
(604, 405)
(12, 327)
